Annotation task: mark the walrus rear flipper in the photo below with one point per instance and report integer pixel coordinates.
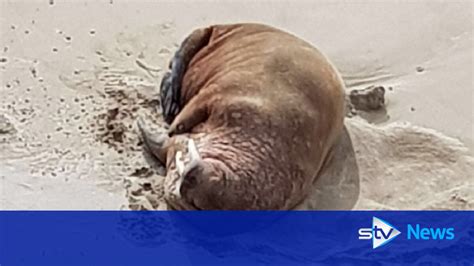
(170, 88)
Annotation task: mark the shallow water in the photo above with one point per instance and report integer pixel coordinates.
(63, 67)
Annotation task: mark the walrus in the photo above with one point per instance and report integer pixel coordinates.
(253, 115)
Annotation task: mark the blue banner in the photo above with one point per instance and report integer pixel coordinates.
(237, 238)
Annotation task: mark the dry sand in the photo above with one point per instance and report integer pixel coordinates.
(72, 87)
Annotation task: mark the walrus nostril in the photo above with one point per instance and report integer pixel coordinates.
(189, 182)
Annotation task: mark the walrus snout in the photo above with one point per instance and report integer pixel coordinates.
(192, 183)
(194, 177)
(204, 187)
(200, 182)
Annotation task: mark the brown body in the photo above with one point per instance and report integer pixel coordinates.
(266, 106)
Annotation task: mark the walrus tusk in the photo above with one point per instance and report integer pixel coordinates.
(179, 162)
(192, 150)
(180, 168)
(193, 155)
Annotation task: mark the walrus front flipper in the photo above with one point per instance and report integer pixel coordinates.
(157, 143)
(170, 88)
(193, 113)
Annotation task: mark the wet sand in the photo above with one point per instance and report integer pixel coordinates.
(73, 83)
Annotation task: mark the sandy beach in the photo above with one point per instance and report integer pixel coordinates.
(75, 75)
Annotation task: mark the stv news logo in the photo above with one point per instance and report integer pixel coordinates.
(382, 233)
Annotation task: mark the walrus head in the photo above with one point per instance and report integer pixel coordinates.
(201, 182)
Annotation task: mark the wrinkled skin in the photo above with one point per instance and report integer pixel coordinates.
(263, 108)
